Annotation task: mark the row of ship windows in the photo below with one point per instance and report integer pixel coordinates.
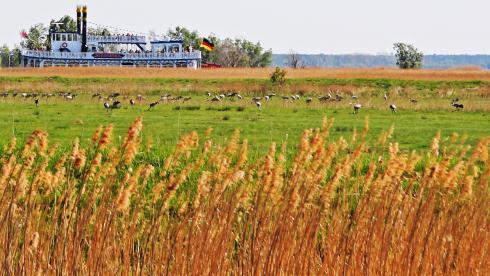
(65, 37)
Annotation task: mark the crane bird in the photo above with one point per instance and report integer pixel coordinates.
(131, 102)
(36, 101)
(324, 98)
(116, 104)
(107, 106)
(152, 105)
(267, 98)
(385, 97)
(457, 105)
(239, 96)
(393, 108)
(216, 99)
(309, 100)
(357, 107)
(208, 94)
(258, 104)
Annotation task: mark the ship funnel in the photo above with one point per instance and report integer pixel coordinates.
(84, 29)
(79, 19)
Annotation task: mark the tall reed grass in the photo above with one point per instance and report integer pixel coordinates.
(337, 207)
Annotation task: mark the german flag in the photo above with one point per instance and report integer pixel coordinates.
(206, 44)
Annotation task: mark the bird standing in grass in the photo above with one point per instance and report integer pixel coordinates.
(36, 101)
(357, 107)
(107, 106)
(131, 102)
(259, 105)
(215, 99)
(385, 97)
(456, 104)
(116, 104)
(393, 108)
(152, 105)
(309, 100)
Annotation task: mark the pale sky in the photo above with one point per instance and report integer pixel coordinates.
(307, 26)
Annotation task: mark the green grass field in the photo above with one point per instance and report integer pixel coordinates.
(415, 124)
(277, 121)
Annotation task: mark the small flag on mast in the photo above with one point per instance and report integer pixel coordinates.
(206, 44)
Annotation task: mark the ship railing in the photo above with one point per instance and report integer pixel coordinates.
(116, 39)
(185, 55)
(48, 54)
(132, 56)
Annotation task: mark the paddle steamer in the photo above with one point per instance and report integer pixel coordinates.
(82, 49)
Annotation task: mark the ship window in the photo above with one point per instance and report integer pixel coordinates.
(63, 37)
(68, 37)
(57, 37)
(75, 37)
(174, 48)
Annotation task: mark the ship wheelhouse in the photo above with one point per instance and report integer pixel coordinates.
(65, 42)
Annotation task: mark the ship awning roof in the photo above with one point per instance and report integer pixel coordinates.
(64, 32)
(167, 41)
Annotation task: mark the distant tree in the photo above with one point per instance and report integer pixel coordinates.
(99, 31)
(228, 54)
(294, 60)
(255, 55)
(239, 53)
(4, 56)
(37, 38)
(7, 55)
(190, 38)
(278, 77)
(407, 56)
(64, 24)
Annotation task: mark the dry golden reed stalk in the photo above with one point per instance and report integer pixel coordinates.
(327, 207)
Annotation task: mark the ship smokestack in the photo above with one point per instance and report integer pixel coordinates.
(84, 29)
(79, 20)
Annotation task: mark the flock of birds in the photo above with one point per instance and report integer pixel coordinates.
(113, 100)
